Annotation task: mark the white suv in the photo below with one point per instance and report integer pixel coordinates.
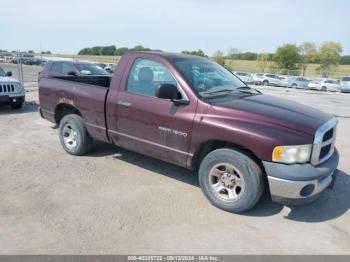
(245, 77)
(345, 84)
(267, 79)
(11, 90)
(330, 85)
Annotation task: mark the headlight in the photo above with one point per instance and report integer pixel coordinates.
(292, 154)
(18, 88)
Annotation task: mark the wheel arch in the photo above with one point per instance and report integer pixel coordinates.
(206, 147)
(64, 109)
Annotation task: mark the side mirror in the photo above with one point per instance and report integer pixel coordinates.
(9, 73)
(167, 91)
(72, 73)
(170, 91)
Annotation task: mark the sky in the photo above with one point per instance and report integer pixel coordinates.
(66, 26)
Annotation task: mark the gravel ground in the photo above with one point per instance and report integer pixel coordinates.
(114, 201)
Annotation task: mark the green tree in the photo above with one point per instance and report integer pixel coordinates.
(219, 57)
(199, 52)
(121, 51)
(84, 51)
(233, 53)
(108, 50)
(248, 56)
(345, 60)
(308, 53)
(287, 57)
(140, 48)
(263, 61)
(329, 56)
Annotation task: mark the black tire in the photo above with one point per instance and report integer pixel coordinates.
(294, 85)
(265, 83)
(16, 105)
(248, 169)
(83, 141)
(324, 88)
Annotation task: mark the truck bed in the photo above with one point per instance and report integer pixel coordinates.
(103, 81)
(87, 93)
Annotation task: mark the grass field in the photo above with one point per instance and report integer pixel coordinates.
(237, 65)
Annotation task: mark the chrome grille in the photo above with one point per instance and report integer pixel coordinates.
(7, 88)
(323, 146)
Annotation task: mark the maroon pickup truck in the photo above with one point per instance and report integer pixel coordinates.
(194, 113)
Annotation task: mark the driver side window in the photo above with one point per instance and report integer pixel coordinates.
(146, 75)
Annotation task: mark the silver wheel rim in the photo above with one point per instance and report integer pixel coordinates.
(226, 182)
(70, 136)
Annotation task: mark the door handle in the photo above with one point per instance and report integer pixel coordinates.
(124, 103)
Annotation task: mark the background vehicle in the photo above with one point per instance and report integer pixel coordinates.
(65, 68)
(102, 65)
(33, 61)
(110, 68)
(11, 90)
(267, 80)
(298, 82)
(314, 84)
(245, 77)
(345, 84)
(284, 79)
(332, 85)
(196, 114)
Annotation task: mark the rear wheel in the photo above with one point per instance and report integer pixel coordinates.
(231, 180)
(265, 83)
(324, 88)
(294, 85)
(74, 136)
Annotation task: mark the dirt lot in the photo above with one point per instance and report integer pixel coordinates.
(115, 201)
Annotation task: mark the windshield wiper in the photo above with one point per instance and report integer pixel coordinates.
(219, 91)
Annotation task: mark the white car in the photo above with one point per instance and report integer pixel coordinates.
(284, 80)
(332, 85)
(11, 90)
(314, 83)
(267, 79)
(245, 77)
(294, 82)
(345, 84)
(110, 68)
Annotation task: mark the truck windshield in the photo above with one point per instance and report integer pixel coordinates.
(2, 72)
(209, 79)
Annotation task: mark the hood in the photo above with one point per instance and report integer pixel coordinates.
(274, 110)
(7, 79)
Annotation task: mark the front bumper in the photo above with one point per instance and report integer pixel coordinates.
(300, 183)
(8, 99)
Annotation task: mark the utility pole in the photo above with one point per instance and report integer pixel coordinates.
(41, 52)
(19, 67)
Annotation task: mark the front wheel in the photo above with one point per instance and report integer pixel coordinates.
(74, 136)
(231, 180)
(324, 88)
(266, 83)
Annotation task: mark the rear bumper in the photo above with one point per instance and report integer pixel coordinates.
(300, 183)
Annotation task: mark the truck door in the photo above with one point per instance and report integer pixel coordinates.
(147, 124)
